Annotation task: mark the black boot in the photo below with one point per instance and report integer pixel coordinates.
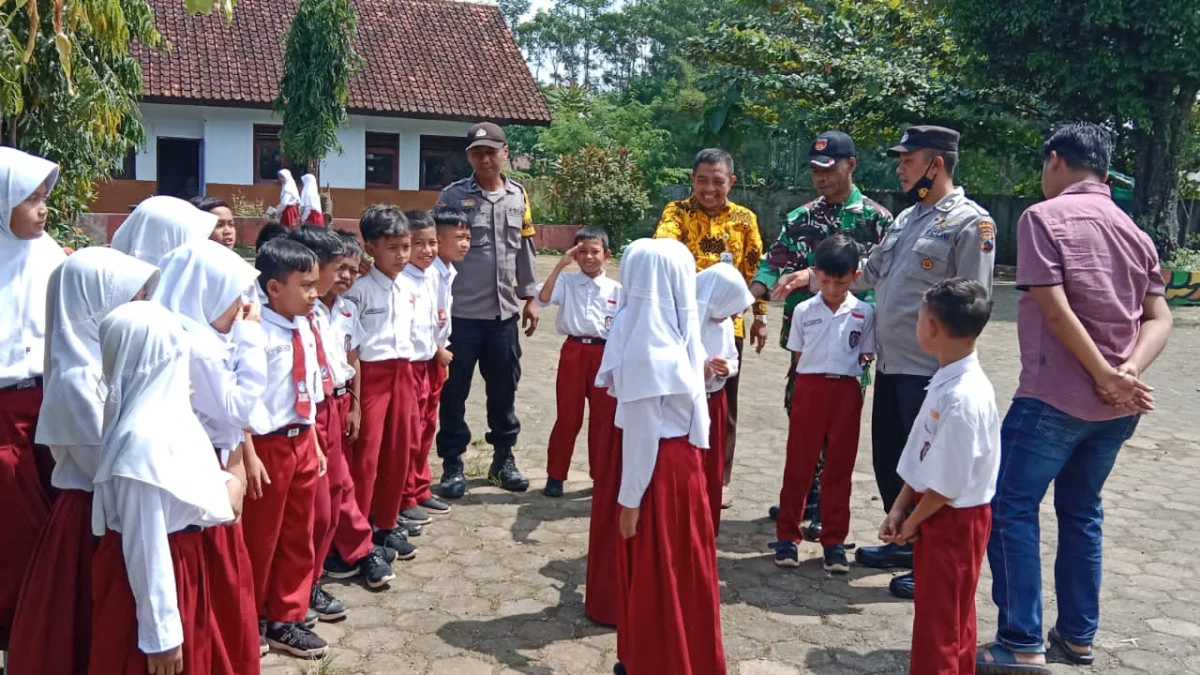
(504, 473)
(454, 482)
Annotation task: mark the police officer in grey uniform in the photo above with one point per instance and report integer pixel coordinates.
(497, 272)
(944, 235)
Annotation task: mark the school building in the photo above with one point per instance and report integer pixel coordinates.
(432, 68)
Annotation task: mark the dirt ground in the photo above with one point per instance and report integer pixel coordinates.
(498, 585)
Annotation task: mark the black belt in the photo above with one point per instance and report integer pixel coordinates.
(587, 340)
(191, 529)
(28, 383)
(290, 431)
(340, 391)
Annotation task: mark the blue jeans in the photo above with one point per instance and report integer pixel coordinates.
(1040, 444)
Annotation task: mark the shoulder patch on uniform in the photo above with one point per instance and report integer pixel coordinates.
(987, 236)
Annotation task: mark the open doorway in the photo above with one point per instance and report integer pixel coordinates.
(179, 162)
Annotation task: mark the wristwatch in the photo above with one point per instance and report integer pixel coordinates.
(761, 318)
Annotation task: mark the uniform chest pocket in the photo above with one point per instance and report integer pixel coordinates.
(932, 260)
(514, 222)
(886, 252)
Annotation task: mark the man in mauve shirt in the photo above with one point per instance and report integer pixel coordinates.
(1092, 320)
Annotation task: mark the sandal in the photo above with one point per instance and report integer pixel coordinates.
(1004, 663)
(1069, 654)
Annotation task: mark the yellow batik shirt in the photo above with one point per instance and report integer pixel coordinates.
(731, 236)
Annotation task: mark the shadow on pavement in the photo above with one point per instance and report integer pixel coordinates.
(837, 661)
(535, 510)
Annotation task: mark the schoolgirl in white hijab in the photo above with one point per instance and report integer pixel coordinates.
(27, 257)
(289, 199)
(310, 201)
(52, 627)
(654, 365)
(721, 294)
(161, 224)
(156, 487)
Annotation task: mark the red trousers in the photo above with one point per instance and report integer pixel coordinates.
(337, 520)
(604, 529)
(670, 614)
(114, 619)
(278, 527)
(380, 463)
(946, 562)
(231, 580)
(825, 412)
(24, 501)
(576, 383)
(714, 457)
(52, 631)
(430, 378)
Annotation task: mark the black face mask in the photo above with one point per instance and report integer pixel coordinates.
(921, 188)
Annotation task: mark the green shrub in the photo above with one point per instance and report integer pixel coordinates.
(601, 187)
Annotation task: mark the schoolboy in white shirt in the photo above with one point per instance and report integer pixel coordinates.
(278, 526)
(833, 335)
(949, 467)
(587, 301)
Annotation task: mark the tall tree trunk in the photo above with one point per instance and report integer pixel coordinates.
(1156, 194)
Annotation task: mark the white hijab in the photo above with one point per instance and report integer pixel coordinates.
(161, 224)
(310, 196)
(720, 293)
(151, 434)
(654, 344)
(288, 194)
(82, 291)
(25, 264)
(199, 283)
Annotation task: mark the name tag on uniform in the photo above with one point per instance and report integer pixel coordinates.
(278, 350)
(812, 322)
(377, 310)
(936, 233)
(727, 257)
(467, 203)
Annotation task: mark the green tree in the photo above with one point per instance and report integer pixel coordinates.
(317, 66)
(69, 91)
(1133, 64)
(601, 187)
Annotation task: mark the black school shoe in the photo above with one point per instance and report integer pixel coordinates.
(397, 540)
(554, 488)
(295, 639)
(311, 618)
(325, 606)
(416, 515)
(903, 586)
(435, 506)
(886, 557)
(505, 475)
(454, 482)
(375, 570)
(263, 647)
(835, 559)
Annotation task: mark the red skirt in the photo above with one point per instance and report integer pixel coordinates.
(714, 457)
(231, 587)
(24, 499)
(52, 631)
(604, 535)
(670, 602)
(290, 216)
(114, 613)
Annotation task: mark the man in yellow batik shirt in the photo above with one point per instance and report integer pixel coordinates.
(716, 230)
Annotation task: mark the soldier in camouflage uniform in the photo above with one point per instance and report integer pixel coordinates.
(841, 207)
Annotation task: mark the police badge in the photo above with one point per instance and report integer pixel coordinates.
(855, 336)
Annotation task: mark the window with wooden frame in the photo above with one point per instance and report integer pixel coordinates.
(443, 161)
(268, 159)
(383, 161)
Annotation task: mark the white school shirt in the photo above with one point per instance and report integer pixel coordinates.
(385, 317)
(421, 284)
(226, 391)
(74, 466)
(725, 349)
(586, 305)
(445, 296)
(830, 342)
(340, 332)
(954, 446)
(644, 423)
(277, 408)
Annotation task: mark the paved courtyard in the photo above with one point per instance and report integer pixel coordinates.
(498, 585)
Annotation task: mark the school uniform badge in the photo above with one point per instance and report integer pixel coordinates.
(855, 338)
(608, 322)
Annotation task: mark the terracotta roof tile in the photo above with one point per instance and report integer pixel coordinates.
(424, 58)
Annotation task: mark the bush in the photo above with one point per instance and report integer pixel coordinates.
(603, 188)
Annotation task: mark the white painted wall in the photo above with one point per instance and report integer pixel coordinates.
(228, 150)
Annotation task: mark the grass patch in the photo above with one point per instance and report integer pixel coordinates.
(324, 666)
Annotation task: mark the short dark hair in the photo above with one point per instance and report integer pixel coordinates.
(590, 232)
(419, 220)
(837, 256)
(949, 159)
(378, 222)
(279, 258)
(961, 305)
(713, 156)
(207, 203)
(322, 241)
(353, 247)
(270, 231)
(445, 216)
(1082, 145)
